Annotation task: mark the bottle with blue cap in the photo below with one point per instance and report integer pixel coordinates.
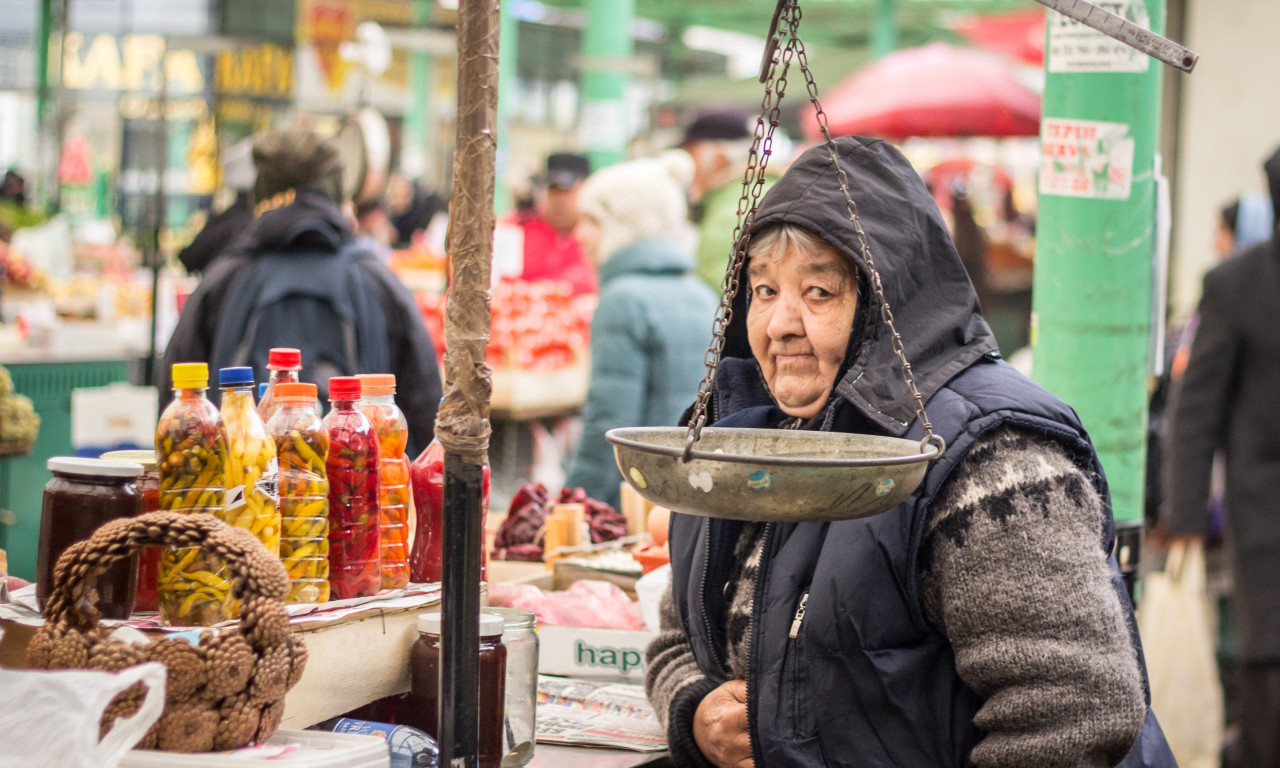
(252, 472)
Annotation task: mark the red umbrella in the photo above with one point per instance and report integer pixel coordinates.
(1017, 33)
(934, 90)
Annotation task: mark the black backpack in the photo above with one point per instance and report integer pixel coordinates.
(326, 305)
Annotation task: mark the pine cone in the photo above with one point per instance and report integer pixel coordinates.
(230, 662)
(188, 727)
(57, 646)
(299, 649)
(270, 680)
(187, 670)
(268, 622)
(238, 723)
(270, 721)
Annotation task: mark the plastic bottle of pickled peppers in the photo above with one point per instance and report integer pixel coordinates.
(285, 364)
(302, 448)
(379, 404)
(252, 472)
(354, 538)
(427, 476)
(191, 450)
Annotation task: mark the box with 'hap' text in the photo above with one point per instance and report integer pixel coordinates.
(593, 653)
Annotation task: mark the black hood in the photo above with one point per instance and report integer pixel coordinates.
(934, 305)
(309, 222)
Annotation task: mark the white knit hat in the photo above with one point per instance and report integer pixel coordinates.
(636, 200)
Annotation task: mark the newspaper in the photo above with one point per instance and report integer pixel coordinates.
(594, 714)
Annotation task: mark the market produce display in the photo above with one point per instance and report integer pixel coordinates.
(354, 540)
(191, 450)
(302, 446)
(19, 423)
(393, 476)
(521, 534)
(251, 473)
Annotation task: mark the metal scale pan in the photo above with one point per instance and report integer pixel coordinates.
(775, 475)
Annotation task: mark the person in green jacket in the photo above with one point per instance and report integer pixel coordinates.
(653, 322)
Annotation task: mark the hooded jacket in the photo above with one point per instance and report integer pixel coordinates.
(647, 342)
(313, 226)
(859, 676)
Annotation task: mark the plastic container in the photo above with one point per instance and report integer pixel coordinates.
(422, 705)
(352, 468)
(149, 558)
(252, 472)
(378, 392)
(191, 450)
(315, 749)
(427, 477)
(302, 446)
(520, 636)
(285, 365)
(82, 495)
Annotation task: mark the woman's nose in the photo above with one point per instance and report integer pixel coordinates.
(786, 319)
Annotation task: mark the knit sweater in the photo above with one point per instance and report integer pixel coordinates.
(1036, 629)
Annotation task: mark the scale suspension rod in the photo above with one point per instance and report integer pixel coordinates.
(1125, 31)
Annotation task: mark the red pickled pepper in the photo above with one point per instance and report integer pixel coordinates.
(427, 477)
(352, 467)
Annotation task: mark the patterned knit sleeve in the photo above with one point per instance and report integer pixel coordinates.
(1012, 572)
(675, 687)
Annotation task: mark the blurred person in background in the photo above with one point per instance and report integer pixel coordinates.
(412, 208)
(222, 229)
(551, 250)
(652, 325)
(14, 188)
(373, 221)
(1225, 401)
(300, 278)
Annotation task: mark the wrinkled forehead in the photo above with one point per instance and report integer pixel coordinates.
(795, 246)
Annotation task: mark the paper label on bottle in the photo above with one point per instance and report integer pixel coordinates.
(1085, 158)
(1073, 47)
(235, 498)
(269, 484)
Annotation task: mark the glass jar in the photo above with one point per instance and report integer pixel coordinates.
(83, 495)
(422, 708)
(520, 636)
(149, 557)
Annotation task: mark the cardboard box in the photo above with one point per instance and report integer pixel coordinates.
(616, 654)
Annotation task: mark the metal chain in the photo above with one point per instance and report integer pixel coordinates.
(886, 314)
(753, 179)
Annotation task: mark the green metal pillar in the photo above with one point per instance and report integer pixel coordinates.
(509, 33)
(884, 35)
(46, 181)
(416, 147)
(607, 47)
(1095, 237)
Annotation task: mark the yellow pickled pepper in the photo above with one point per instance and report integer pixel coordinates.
(302, 446)
(191, 451)
(252, 471)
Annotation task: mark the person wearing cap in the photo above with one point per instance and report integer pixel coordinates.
(222, 229)
(654, 318)
(551, 251)
(299, 219)
(718, 142)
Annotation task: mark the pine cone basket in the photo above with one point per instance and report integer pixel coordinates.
(227, 692)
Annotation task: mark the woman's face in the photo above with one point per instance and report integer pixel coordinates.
(588, 234)
(801, 314)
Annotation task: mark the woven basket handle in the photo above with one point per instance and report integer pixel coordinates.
(254, 571)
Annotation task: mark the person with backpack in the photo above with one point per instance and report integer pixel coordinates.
(300, 278)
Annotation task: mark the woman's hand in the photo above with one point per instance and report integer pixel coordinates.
(720, 726)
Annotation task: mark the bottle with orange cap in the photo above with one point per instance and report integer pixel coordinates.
(379, 404)
(191, 451)
(354, 550)
(302, 446)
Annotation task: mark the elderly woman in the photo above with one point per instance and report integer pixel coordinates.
(651, 327)
(980, 623)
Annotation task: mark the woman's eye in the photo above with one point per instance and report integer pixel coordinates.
(819, 292)
(763, 291)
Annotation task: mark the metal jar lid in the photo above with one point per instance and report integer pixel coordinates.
(74, 465)
(490, 625)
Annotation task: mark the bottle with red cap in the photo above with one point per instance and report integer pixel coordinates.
(352, 467)
(302, 445)
(426, 476)
(284, 363)
(379, 404)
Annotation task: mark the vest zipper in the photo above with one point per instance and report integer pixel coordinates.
(706, 617)
(795, 623)
(753, 732)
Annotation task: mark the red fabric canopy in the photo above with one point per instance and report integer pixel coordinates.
(934, 90)
(1017, 33)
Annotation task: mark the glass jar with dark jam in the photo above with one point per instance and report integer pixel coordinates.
(83, 495)
(149, 558)
(422, 707)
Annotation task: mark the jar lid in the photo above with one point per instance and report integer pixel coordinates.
(73, 465)
(515, 618)
(283, 359)
(290, 391)
(190, 375)
(229, 377)
(146, 458)
(378, 383)
(344, 388)
(490, 625)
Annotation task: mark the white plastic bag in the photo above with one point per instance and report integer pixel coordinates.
(1177, 639)
(51, 718)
